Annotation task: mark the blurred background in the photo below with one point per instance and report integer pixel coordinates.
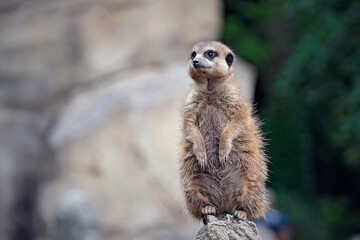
(90, 99)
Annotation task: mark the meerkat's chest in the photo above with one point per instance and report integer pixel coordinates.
(212, 119)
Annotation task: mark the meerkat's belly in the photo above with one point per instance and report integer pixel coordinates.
(221, 181)
(212, 122)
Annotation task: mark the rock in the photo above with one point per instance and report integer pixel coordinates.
(22, 156)
(142, 91)
(47, 48)
(178, 232)
(76, 218)
(228, 228)
(124, 157)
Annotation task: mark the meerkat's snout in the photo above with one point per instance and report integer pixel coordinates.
(196, 63)
(199, 62)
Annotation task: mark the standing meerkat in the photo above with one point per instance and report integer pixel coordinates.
(223, 166)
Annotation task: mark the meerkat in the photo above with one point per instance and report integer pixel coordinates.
(223, 165)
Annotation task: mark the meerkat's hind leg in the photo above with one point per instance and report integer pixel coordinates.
(240, 214)
(207, 210)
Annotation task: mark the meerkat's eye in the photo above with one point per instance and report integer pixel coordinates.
(193, 55)
(210, 54)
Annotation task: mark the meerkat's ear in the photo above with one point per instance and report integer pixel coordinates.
(229, 59)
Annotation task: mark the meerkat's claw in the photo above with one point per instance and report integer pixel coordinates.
(240, 215)
(224, 152)
(208, 210)
(201, 157)
(224, 149)
(223, 156)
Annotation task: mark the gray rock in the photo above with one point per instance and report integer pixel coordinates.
(76, 218)
(48, 48)
(228, 228)
(22, 161)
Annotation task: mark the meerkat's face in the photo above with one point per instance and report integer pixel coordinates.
(210, 60)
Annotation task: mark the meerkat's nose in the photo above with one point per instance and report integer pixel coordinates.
(196, 62)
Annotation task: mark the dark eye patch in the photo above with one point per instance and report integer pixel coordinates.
(193, 55)
(229, 59)
(210, 54)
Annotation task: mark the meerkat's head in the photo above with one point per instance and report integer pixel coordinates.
(210, 60)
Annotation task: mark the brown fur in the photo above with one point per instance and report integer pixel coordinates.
(223, 166)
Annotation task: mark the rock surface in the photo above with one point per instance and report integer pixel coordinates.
(76, 218)
(48, 47)
(228, 228)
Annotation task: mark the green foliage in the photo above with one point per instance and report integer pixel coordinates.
(308, 56)
(247, 41)
(305, 217)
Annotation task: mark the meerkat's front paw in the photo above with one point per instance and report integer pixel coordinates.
(200, 154)
(206, 211)
(224, 150)
(240, 215)
(201, 157)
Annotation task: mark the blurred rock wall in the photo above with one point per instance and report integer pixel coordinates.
(90, 96)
